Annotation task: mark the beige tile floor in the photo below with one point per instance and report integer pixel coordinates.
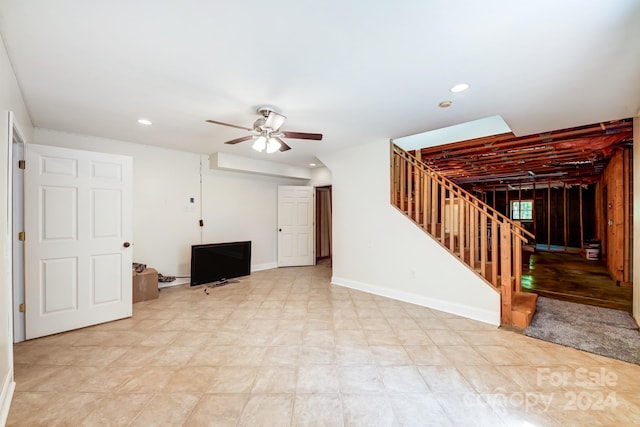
(285, 348)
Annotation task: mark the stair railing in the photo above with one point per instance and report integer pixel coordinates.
(481, 237)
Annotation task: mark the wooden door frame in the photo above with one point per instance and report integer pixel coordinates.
(319, 223)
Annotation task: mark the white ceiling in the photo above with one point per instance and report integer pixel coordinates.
(354, 70)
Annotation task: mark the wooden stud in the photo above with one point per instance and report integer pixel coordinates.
(443, 220)
(493, 202)
(434, 206)
(417, 177)
(564, 211)
(483, 244)
(549, 215)
(461, 227)
(505, 272)
(517, 262)
(581, 219)
(451, 223)
(494, 251)
(533, 214)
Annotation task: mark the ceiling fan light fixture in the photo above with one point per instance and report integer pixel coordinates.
(260, 144)
(273, 145)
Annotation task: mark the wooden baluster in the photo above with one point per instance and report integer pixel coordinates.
(394, 176)
(410, 178)
(517, 260)
(443, 198)
(461, 226)
(434, 206)
(451, 223)
(483, 244)
(505, 272)
(417, 176)
(473, 233)
(494, 250)
(426, 196)
(402, 183)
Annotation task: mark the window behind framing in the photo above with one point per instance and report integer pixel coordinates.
(522, 210)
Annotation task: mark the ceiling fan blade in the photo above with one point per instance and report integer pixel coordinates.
(274, 120)
(237, 140)
(283, 145)
(230, 125)
(302, 135)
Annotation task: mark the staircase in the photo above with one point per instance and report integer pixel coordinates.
(479, 236)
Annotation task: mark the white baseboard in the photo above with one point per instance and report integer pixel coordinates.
(6, 395)
(486, 316)
(176, 282)
(186, 281)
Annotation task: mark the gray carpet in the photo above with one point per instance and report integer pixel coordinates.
(603, 331)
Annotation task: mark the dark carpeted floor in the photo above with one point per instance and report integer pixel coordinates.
(603, 331)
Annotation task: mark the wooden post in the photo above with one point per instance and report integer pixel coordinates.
(451, 223)
(517, 260)
(403, 175)
(417, 177)
(549, 215)
(473, 232)
(393, 170)
(493, 202)
(507, 208)
(410, 178)
(533, 214)
(461, 226)
(564, 211)
(443, 219)
(494, 250)
(581, 221)
(434, 206)
(483, 243)
(505, 272)
(426, 189)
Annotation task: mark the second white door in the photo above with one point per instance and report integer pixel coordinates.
(295, 226)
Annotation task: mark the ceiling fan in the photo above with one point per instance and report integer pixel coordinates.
(266, 132)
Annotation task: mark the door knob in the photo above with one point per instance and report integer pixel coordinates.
(126, 244)
(279, 229)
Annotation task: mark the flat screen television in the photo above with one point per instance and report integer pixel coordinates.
(216, 262)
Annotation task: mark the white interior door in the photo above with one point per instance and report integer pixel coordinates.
(77, 226)
(295, 226)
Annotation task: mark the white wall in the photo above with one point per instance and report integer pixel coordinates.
(235, 206)
(10, 100)
(320, 177)
(377, 249)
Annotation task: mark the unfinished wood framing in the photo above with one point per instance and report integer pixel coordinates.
(549, 215)
(466, 223)
(564, 213)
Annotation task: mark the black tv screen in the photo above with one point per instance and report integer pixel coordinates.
(215, 262)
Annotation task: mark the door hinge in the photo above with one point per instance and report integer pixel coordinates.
(21, 236)
(22, 164)
(21, 308)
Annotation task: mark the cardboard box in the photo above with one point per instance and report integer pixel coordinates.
(145, 285)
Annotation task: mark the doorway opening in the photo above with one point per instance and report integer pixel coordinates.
(323, 224)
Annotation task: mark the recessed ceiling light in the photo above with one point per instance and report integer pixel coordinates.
(312, 164)
(460, 87)
(445, 104)
(144, 122)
